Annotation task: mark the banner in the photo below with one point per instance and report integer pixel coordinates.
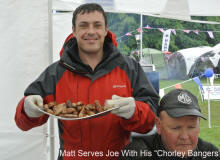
(162, 30)
(166, 40)
(211, 35)
(211, 92)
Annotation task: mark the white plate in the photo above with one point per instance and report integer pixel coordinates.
(79, 118)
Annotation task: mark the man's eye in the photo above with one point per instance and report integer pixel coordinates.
(83, 26)
(191, 127)
(175, 128)
(98, 25)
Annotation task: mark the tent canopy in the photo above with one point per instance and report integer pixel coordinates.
(209, 59)
(181, 9)
(191, 54)
(156, 57)
(153, 56)
(191, 62)
(26, 44)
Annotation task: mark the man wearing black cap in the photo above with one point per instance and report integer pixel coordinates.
(178, 126)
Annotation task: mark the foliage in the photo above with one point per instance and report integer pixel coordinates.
(122, 23)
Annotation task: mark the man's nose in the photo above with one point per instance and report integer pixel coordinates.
(91, 30)
(184, 134)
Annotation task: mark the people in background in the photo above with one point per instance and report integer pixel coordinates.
(178, 127)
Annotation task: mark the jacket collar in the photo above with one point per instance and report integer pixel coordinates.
(70, 57)
(110, 37)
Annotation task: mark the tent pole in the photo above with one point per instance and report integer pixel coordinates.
(50, 31)
(52, 139)
(141, 25)
(209, 112)
(50, 50)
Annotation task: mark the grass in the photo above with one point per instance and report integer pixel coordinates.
(212, 134)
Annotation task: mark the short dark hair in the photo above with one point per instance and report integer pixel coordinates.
(88, 8)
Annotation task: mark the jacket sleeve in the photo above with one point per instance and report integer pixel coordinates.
(44, 86)
(143, 89)
(23, 121)
(142, 120)
(146, 99)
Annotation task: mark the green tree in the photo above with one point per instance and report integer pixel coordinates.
(121, 23)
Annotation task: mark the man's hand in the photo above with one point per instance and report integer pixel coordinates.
(30, 105)
(127, 106)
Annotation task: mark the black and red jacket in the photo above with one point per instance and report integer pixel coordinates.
(70, 79)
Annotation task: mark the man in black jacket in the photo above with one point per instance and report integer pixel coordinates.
(177, 132)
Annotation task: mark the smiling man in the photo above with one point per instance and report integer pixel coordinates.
(91, 68)
(178, 127)
(90, 30)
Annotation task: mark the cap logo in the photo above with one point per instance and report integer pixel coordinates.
(184, 98)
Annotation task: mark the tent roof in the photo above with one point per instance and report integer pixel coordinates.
(216, 47)
(191, 54)
(181, 9)
(194, 52)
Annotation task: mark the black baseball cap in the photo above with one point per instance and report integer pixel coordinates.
(180, 102)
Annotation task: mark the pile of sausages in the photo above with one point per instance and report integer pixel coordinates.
(74, 110)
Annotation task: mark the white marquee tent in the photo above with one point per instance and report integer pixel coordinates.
(191, 54)
(30, 41)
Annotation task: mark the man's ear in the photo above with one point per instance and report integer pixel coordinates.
(158, 125)
(73, 30)
(106, 30)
